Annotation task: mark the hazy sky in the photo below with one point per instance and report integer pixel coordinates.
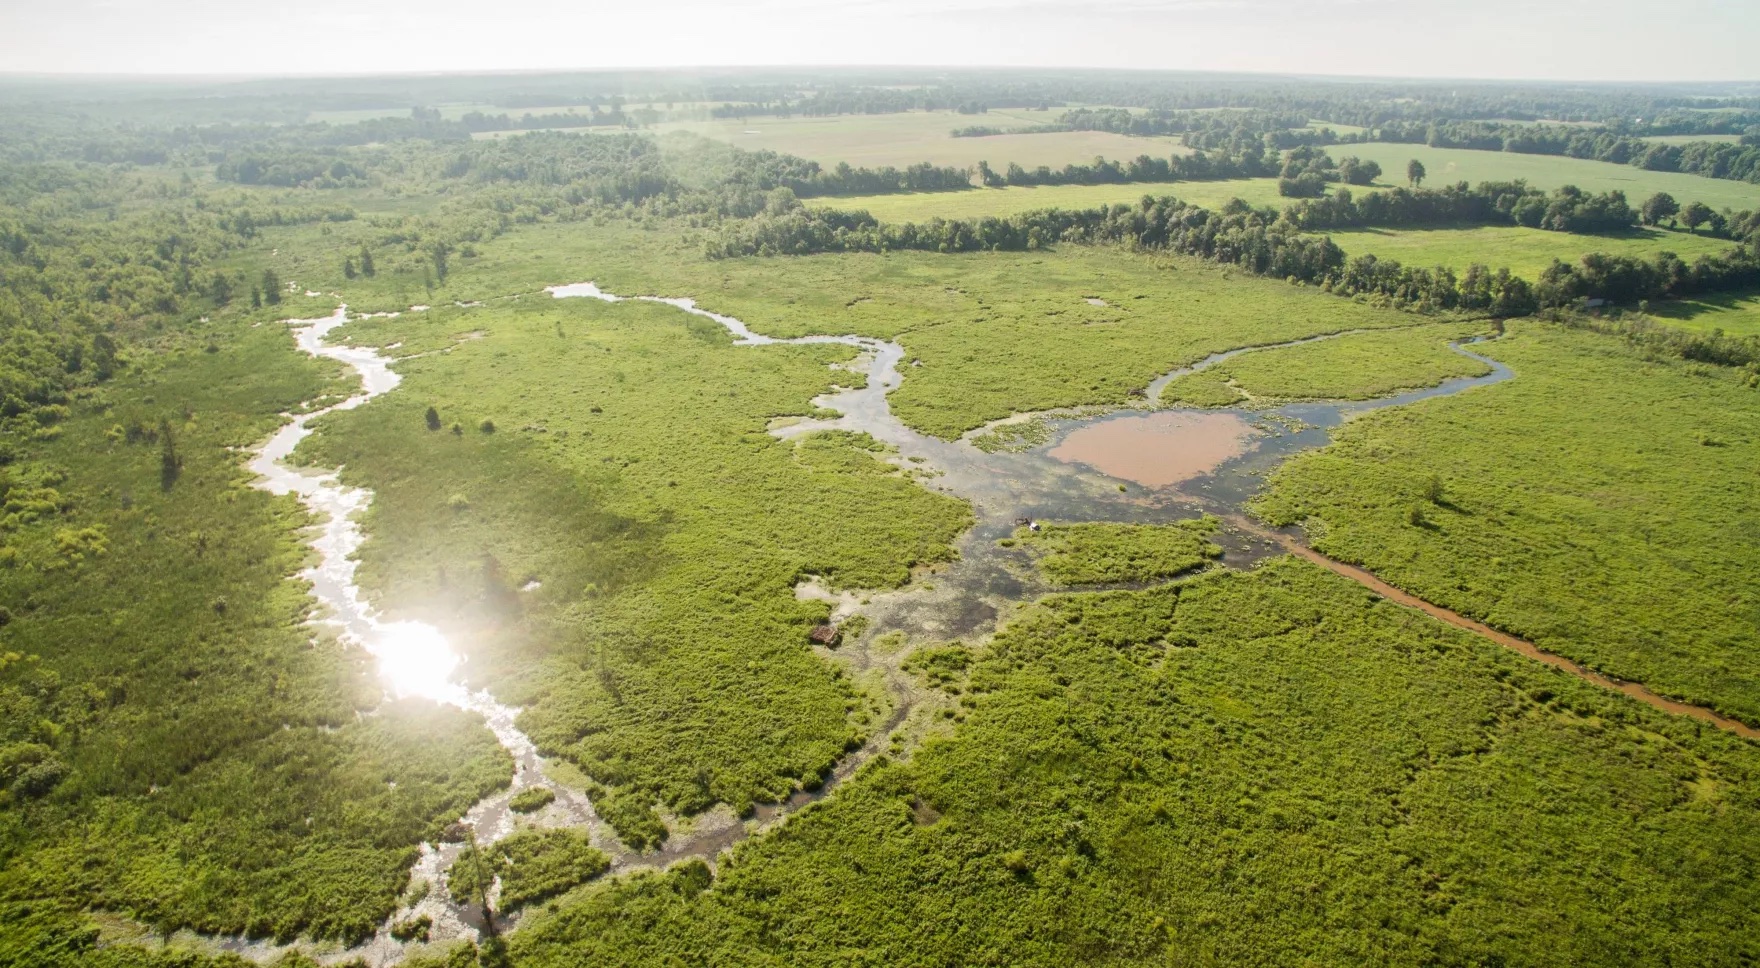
(1590, 39)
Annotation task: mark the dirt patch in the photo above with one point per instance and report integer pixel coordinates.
(1160, 449)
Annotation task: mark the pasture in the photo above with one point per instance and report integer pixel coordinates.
(1524, 251)
(1448, 165)
(1003, 202)
(1736, 313)
(906, 138)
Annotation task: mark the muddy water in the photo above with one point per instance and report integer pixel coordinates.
(1158, 450)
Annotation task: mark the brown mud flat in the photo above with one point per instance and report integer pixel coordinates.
(1368, 580)
(1160, 449)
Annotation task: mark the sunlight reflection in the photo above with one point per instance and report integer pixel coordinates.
(416, 660)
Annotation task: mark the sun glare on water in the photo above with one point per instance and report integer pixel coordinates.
(416, 660)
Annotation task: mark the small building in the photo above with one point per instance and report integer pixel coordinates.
(825, 634)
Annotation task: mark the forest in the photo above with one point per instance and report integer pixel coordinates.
(771, 627)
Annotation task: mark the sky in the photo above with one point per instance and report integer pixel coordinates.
(1537, 39)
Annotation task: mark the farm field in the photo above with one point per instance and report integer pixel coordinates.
(1685, 139)
(910, 137)
(1524, 251)
(1003, 202)
(1737, 313)
(1448, 165)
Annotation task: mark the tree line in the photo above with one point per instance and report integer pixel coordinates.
(1264, 243)
(1737, 162)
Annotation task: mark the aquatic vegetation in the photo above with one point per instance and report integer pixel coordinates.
(531, 799)
(1358, 366)
(1267, 767)
(168, 718)
(1578, 508)
(1095, 554)
(664, 651)
(534, 864)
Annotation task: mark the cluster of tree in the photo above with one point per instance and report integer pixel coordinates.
(478, 121)
(1199, 166)
(1739, 162)
(1228, 131)
(1307, 170)
(290, 169)
(1259, 241)
(1568, 209)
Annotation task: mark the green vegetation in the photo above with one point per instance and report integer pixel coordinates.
(1003, 202)
(995, 333)
(1736, 313)
(1265, 768)
(1096, 554)
(531, 799)
(1014, 437)
(1598, 505)
(179, 748)
(1448, 165)
(665, 652)
(1525, 251)
(533, 865)
(905, 138)
(1360, 366)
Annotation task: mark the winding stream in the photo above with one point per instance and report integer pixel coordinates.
(962, 599)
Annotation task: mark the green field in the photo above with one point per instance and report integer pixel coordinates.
(1687, 139)
(1179, 756)
(1263, 768)
(1360, 366)
(1599, 504)
(1524, 251)
(1448, 165)
(1735, 313)
(965, 318)
(1002, 202)
(665, 592)
(873, 140)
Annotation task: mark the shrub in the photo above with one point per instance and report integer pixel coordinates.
(531, 800)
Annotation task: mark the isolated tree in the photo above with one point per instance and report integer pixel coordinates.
(1695, 214)
(348, 267)
(1659, 208)
(271, 287)
(366, 262)
(1415, 172)
(256, 298)
(170, 464)
(433, 419)
(440, 251)
(220, 288)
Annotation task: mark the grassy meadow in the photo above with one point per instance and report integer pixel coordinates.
(1599, 504)
(1524, 251)
(1096, 554)
(1736, 313)
(1003, 202)
(906, 138)
(1263, 768)
(994, 333)
(1360, 366)
(1448, 165)
(617, 455)
(195, 755)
